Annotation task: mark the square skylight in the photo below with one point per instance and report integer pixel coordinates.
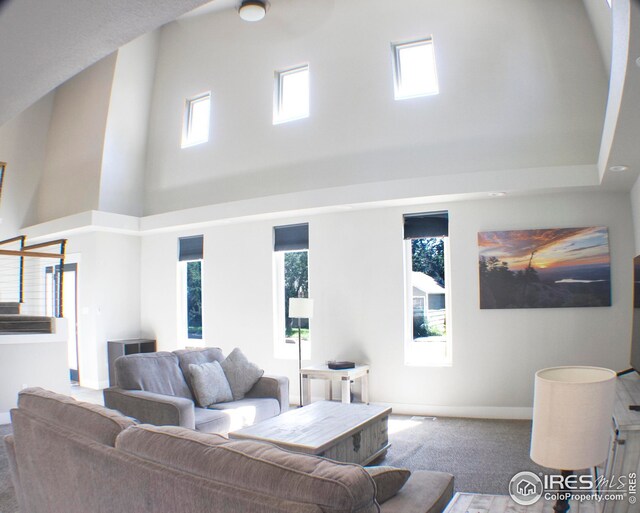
(197, 114)
(414, 66)
(291, 95)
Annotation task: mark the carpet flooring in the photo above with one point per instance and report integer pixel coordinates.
(482, 454)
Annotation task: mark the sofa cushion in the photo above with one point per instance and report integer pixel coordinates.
(424, 492)
(211, 421)
(152, 372)
(388, 481)
(262, 468)
(90, 420)
(187, 357)
(209, 384)
(248, 411)
(241, 373)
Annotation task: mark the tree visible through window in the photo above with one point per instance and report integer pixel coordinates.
(296, 284)
(194, 299)
(429, 312)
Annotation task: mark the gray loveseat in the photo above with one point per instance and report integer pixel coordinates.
(154, 388)
(73, 457)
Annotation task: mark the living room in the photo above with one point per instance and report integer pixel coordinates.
(530, 104)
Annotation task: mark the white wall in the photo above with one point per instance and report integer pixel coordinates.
(22, 146)
(125, 141)
(521, 86)
(71, 179)
(108, 298)
(356, 279)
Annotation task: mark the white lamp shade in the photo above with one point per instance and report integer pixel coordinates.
(572, 417)
(300, 308)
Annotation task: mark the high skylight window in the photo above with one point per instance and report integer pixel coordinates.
(197, 113)
(414, 66)
(291, 95)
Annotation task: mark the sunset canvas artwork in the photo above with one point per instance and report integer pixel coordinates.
(547, 268)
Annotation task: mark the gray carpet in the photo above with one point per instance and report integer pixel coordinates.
(482, 454)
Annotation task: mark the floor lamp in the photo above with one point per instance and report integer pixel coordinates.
(300, 308)
(572, 412)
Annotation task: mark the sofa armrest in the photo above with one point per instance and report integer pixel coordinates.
(151, 408)
(276, 387)
(10, 447)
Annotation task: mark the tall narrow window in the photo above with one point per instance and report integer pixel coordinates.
(190, 260)
(427, 326)
(197, 113)
(414, 66)
(291, 279)
(291, 95)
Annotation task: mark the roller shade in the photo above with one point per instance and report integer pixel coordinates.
(432, 224)
(292, 237)
(190, 248)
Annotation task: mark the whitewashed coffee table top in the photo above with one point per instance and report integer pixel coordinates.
(480, 503)
(316, 426)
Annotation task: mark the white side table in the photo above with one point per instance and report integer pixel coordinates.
(345, 376)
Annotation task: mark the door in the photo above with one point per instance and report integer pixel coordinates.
(69, 309)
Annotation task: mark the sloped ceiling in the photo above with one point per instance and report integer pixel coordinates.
(44, 43)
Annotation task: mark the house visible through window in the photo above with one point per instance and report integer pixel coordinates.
(291, 95)
(197, 114)
(190, 259)
(414, 66)
(427, 332)
(291, 279)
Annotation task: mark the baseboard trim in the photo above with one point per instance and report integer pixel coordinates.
(5, 418)
(472, 412)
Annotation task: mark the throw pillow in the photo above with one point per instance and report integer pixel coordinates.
(209, 384)
(388, 481)
(241, 373)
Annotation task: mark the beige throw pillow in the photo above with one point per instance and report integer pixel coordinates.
(241, 373)
(209, 384)
(388, 480)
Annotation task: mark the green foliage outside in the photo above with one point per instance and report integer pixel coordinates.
(194, 299)
(296, 284)
(427, 257)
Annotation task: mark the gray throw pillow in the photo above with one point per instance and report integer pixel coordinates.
(388, 481)
(209, 384)
(241, 373)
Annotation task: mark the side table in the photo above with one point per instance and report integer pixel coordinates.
(345, 376)
(484, 503)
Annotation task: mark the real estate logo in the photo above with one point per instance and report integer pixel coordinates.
(525, 488)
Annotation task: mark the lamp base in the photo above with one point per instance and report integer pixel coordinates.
(562, 505)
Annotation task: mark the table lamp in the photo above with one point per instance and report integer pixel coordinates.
(300, 308)
(572, 419)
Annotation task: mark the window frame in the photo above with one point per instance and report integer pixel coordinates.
(397, 67)
(423, 353)
(182, 269)
(187, 142)
(278, 116)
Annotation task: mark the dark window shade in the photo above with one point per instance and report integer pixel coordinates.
(190, 248)
(420, 226)
(291, 238)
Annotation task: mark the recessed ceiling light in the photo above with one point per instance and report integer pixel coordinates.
(252, 10)
(616, 169)
(497, 194)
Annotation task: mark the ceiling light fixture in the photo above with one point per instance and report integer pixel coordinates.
(497, 194)
(617, 169)
(252, 10)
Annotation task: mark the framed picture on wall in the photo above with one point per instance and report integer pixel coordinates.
(546, 268)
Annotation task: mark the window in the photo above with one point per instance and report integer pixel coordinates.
(291, 95)
(414, 66)
(291, 279)
(197, 113)
(427, 317)
(190, 267)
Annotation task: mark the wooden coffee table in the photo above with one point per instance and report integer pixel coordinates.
(351, 433)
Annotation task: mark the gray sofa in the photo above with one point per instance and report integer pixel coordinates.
(154, 388)
(72, 457)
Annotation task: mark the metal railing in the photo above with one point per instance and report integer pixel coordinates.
(30, 277)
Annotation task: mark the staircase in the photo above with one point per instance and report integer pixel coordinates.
(9, 308)
(12, 323)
